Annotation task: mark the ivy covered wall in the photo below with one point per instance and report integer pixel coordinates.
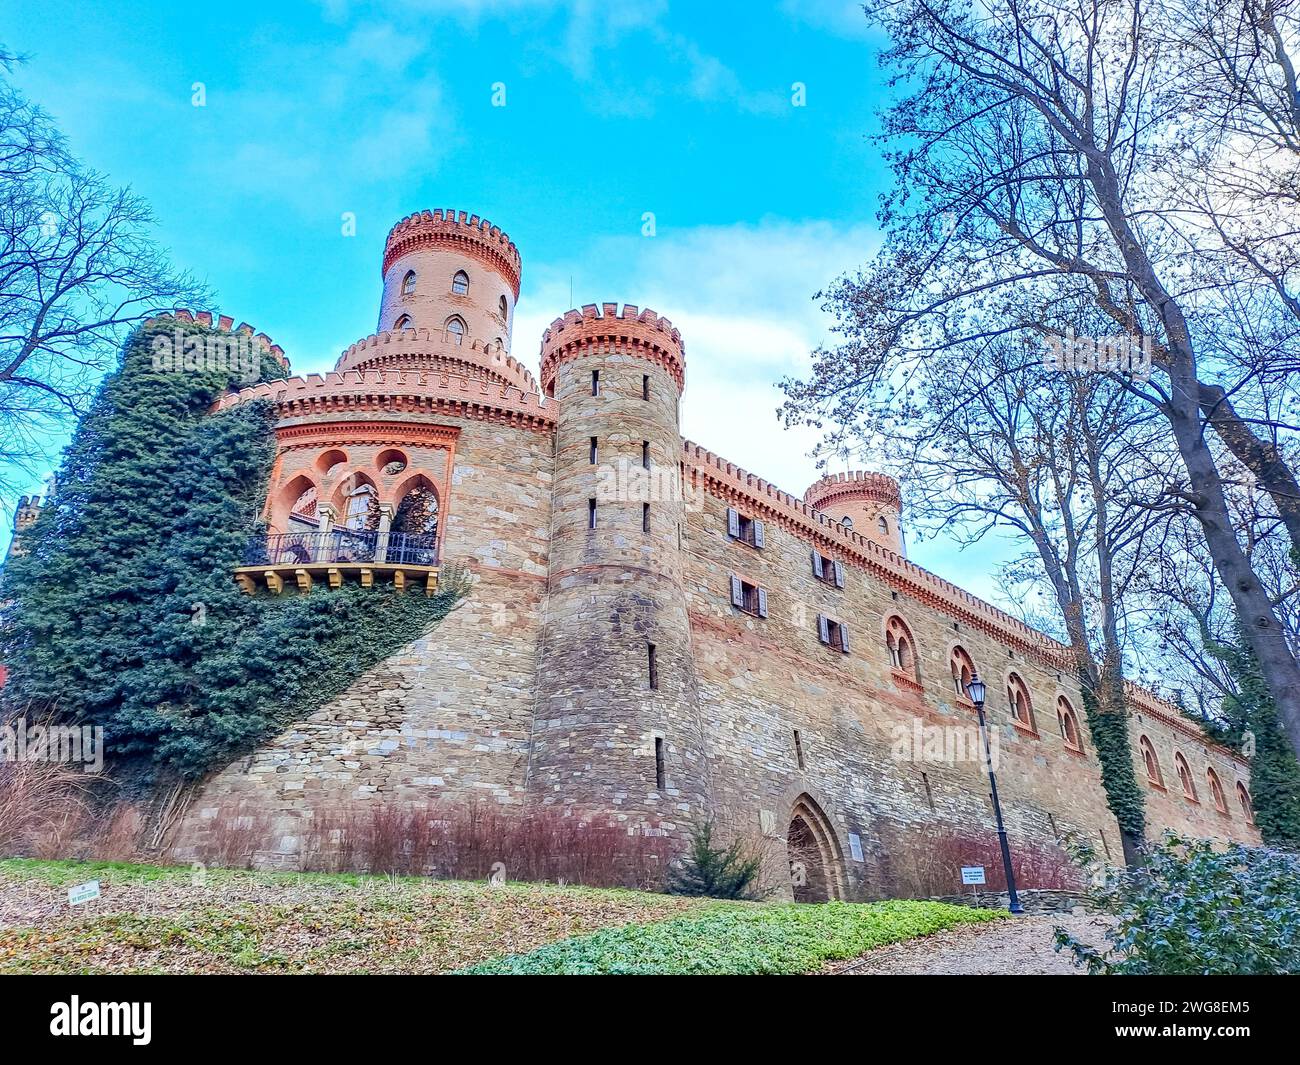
(123, 612)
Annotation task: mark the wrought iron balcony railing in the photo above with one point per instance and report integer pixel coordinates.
(342, 546)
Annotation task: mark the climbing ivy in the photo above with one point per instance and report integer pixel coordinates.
(123, 612)
(1274, 770)
(1123, 795)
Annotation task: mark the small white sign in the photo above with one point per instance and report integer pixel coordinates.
(972, 874)
(855, 846)
(87, 892)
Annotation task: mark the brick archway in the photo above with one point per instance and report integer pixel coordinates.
(816, 864)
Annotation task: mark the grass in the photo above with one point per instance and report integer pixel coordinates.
(733, 940)
(171, 919)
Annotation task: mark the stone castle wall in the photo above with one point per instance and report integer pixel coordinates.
(669, 663)
(449, 716)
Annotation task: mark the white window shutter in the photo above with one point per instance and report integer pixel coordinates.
(737, 593)
(818, 567)
(759, 540)
(823, 628)
(839, 574)
(733, 522)
(762, 602)
(844, 638)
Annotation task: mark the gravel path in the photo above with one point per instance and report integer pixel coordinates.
(1023, 945)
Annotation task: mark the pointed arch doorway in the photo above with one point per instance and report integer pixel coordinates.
(816, 865)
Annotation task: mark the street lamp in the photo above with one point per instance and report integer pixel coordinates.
(977, 690)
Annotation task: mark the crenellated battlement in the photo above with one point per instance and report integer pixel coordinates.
(627, 329)
(854, 484)
(225, 324)
(413, 391)
(459, 230)
(390, 345)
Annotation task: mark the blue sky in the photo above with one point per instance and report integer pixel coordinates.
(613, 109)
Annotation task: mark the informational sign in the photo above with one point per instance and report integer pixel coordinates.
(855, 846)
(87, 892)
(972, 874)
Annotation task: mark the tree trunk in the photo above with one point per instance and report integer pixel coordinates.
(1261, 457)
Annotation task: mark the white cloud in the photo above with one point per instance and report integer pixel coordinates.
(844, 18)
(742, 297)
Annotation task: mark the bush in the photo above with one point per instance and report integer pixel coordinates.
(927, 862)
(718, 872)
(457, 842)
(733, 939)
(1195, 910)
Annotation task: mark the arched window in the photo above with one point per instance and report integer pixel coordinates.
(417, 513)
(901, 646)
(1068, 722)
(1243, 800)
(408, 283)
(403, 322)
(455, 328)
(505, 309)
(847, 522)
(362, 508)
(460, 283)
(1216, 790)
(1019, 703)
(882, 525)
(963, 669)
(1151, 761)
(1185, 776)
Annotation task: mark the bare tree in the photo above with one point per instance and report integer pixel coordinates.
(1033, 156)
(78, 268)
(1075, 465)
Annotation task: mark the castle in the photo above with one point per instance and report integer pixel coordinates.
(652, 633)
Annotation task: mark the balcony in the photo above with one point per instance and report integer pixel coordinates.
(301, 559)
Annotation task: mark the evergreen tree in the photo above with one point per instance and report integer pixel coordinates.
(718, 872)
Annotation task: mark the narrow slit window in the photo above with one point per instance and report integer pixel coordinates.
(591, 513)
(659, 763)
(595, 382)
(653, 663)
(929, 794)
(595, 444)
(645, 517)
(645, 453)
(645, 386)
(798, 749)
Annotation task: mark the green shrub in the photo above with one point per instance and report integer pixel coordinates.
(1195, 910)
(732, 939)
(717, 872)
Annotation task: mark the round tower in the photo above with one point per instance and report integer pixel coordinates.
(871, 502)
(617, 726)
(452, 273)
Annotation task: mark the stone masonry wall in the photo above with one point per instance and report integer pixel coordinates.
(762, 679)
(448, 717)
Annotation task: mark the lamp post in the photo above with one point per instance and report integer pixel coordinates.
(977, 690)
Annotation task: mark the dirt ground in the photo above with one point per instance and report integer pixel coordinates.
(1021, 946)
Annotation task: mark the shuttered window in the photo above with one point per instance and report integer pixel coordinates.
(829, 570)
(833, 633)
(745, 529)
(748, 597)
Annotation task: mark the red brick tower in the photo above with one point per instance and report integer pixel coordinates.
(871, 501)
